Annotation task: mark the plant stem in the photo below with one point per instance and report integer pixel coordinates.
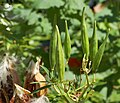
(94, 78)
(52, 73)
(87, 78)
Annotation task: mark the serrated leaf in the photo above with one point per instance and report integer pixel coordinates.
(32, 18)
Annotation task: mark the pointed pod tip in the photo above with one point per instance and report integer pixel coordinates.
(108, 29)
(95, 22)
(57, 29)
(66, 26)
(83, 10)
(56, 26)
(65, 21)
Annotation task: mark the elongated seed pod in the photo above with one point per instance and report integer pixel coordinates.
(53, 43)
(93, 44)
(60, 66)
(67, 42)
(84, 34)
(99, 54)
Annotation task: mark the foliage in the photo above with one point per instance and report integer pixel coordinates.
(26, 26)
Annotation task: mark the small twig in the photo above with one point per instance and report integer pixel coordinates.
(56, 89)
(87, 78)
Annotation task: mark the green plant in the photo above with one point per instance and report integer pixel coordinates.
(30, 23)
(69, 90)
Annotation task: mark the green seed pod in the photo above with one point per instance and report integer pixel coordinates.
(67, 43)
(84, 34)
(99, 54)
(60, 66)
(93, 44)
(53, 44)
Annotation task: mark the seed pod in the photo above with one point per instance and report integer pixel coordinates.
(93, 44)
(33, 75)
(21, 95)
(67, 42)
(99, 54)
(84, 34)
(60, 66)
(53, 43)
(12, 65)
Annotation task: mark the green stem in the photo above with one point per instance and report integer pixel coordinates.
(52, 73)
(87, 78)
(94, 78)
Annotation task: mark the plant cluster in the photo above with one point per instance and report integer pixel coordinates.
(25, 31)
(68, 90)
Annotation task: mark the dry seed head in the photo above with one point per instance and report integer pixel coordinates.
(33, 75)
(21, 95)
(34, 67)
(42, 99)
(37, 67)
(12, 67)
(4, 71)
(31, 66)
(6, 81)
(20, 91)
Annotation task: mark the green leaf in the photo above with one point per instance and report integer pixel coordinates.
(69, 75)
(45, 69)
(114, 97)
(75, 4)
(37, 90)
(46, 4)
(46, 26)
(33, 18)
(104, 92)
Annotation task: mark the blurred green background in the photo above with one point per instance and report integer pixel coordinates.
(26, 27)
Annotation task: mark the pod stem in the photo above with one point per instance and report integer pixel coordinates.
(52, 73)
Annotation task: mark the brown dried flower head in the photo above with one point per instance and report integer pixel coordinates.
(6, 81)
(33, 75)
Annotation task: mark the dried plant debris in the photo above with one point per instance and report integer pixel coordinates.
(21, 95)
(33, 75)
(42, 99)
(12, 65)
(6, 81)
(11, 92)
